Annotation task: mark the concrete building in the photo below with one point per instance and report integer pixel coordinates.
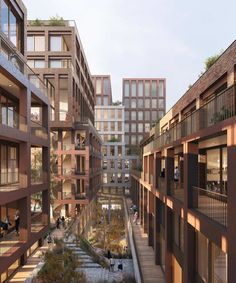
(145, 103)
(24, 145)
(109, 121)
(55, 52)
(186, 192)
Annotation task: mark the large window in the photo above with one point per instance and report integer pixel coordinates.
(140, 89)
(36, 43)
(161, 88)
(133, 103)
(133, 115)
(154, 89)
(10, 25)
(147, 89)
(36, 63)
(133, 127)
(63, 102)
(126, 89)
(106, 87)
(57, 43)
(98, 86)
(140, 115)
(8, 164)
(133, 89)
(59, 63)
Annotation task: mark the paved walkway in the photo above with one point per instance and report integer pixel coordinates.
(151, 272)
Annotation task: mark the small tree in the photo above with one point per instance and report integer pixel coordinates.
(36, 22)
(211, 60)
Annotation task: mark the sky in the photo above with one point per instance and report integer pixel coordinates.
(146, 38)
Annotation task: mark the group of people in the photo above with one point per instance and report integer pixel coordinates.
(4, 225)
(112, 262)
(60, 222)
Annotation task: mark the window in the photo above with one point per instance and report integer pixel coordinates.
(112, 126)
(133, 140)
(10, 25)
(98, 112)
(160, 114)
(119, 114)
(154, 115)
(126, 127)
(154, 89)
(126, 100)
(161, 103)
(147, 89)
(133, 115)
(112, 150)
(112, 113)
(126, 88)
(126, 139)
(140, 128)
(105, 114)
(133, 89)
(105, 126)
(133, 127)
(119, 126)
(36, 63)
(55, 63)
(63, 101)
(161, 88)
(119, 150)
(147, 103)
(57, 43)
(98, 126)
(133, 103)
(146, 127)
(140, 115)
(98, 86)
(140, 89)
(147, 115)
(140, 137)
(140, 103)
(36, 43)
(154, 103)
(98, 100)
(126, 115)
(105, 100)
(106, 87)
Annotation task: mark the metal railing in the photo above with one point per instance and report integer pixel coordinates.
(161, 184)
(177, 190)
(211, 204)
(8, 178)
(38, 176)
(219, 108)
(8, 51)
(11, 118)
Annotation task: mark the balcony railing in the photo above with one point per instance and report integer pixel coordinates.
(38, 176)
(161, 184)
(177, 190)
(211, 204)
(219, 108)
(11, 54)
(10, 118)
(38, 130)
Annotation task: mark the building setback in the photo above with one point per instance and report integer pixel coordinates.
(186, 192)
(145, 104)
(109, 121)
(24, 145)
(55, 52)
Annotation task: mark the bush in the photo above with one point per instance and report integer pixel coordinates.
(56, 21)
(36, 22)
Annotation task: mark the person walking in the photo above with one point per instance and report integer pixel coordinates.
(120, 265)
(58, 223)
(112, 264)
(17, 222)
(50, 241)
(136, 217)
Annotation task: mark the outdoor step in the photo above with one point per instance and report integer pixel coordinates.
(90, 265)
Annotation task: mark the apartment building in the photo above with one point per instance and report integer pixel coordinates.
(145, 103)
(186, 192)
(55, 52)
(24, 145)
(109, 121)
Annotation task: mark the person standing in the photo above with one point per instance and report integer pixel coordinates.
(17, 222)
(58, 223)
(136, 217)
(176, 174)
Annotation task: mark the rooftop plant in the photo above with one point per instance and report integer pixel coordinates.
(56, 21)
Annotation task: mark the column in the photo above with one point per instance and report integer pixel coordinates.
(190, 180)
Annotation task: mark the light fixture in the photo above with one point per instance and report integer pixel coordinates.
(10, 85)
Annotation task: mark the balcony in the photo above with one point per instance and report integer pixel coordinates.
(10, 181)
(177, 190)
(38, 177)
(211, 204)
(161, 184)
(17, 60)
(11, 118)
(38, 130)
(219, 108)
(80, 146)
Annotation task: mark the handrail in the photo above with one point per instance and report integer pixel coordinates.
(211, 192)
(180, 129)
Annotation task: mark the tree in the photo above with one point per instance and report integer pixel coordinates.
(60, 266)
(56, 21)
